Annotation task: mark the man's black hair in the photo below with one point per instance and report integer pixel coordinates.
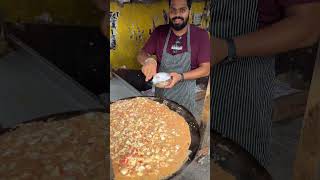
(189, 2)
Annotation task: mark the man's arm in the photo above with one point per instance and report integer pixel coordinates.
(299, 29)
(202, 71)
(143, 56)
(146, 58)
(203, 58)
(149, 64)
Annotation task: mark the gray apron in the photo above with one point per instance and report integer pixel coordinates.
(183, 92)
(241, 102)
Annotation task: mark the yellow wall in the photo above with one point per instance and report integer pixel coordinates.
(70, 12)
(133, 15)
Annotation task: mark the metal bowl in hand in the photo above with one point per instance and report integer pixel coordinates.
(161, 80)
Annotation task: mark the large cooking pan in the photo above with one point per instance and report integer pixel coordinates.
(193, 126)
(60, 117)
(236, 161)
(54, 117)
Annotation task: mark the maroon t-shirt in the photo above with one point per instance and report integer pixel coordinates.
(271, 11)
(199, 41)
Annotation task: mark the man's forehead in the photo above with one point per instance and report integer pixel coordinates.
(179, 3)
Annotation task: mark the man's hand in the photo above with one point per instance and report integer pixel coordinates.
(149, 68)
(219, 50)
(175, 78)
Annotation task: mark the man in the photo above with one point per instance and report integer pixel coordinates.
(246, 34)
(181, 49)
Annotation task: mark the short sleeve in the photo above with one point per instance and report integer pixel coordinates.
(150, 46)
(204, 54)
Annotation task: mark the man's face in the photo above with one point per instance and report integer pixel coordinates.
(178, 14)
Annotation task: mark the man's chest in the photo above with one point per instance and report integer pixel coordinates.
(175, 45)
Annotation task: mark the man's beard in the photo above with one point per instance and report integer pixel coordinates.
(178, 27)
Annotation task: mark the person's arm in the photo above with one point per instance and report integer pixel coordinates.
(203, 58)
(149, 64)
(202, 71)
(146, 56)
(143, 56)
(299, 29)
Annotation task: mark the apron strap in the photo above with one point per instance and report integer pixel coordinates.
(166, 43)
(188, 40)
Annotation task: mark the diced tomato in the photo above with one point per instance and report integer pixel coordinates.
(124, 161)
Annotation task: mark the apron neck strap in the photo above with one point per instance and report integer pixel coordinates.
(167, 41)
(188, 39)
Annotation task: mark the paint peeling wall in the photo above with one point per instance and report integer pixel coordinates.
(66, 12)
(131, 25)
